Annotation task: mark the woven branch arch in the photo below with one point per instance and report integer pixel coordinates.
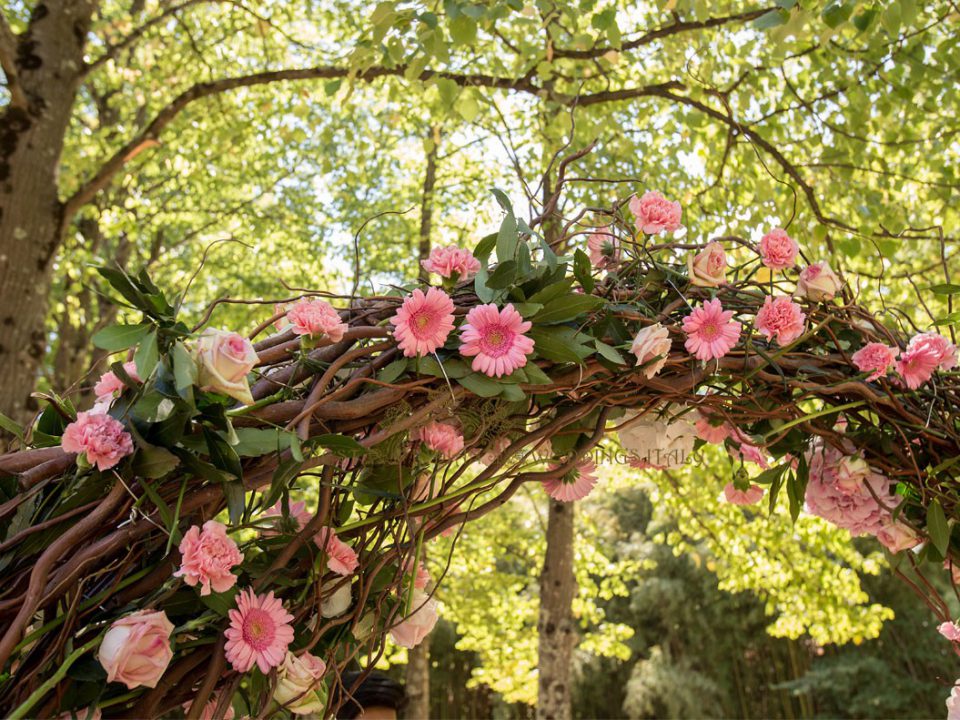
(82, 548)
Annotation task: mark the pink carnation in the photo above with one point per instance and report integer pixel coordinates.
(207, 557)
(99, 437)
(945, 351)
(259, 632)
(655, 214)
(950, 630)
(314, 318)
(495, 340)
(573, 486)
(781, 318)
(749, 453)
(603, 249)
(916, 365)
(110, 386)
(341, 558)
(875, 358)
(423, 322)
(708, 432)
(299, 517)
(778, 250)
(452, 262)
(711, 333)
(749, 496)
(442, 437)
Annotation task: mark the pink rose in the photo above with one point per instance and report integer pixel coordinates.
(452, 262)
(818, 282)
(603, 249)
(411, 631)
(341, 558)
(944, 350)
(136, 649)
(110, 386)
(652, 342)
(655, 214)
(224, 359)
(875, 358)
(315, 319)
(102, 440)
(708, 268)
(208, 557)
(950, 630)
(299, 688)
(442, 438)
(781, 318)
(778, 250)
(750, 496)
(896, 536)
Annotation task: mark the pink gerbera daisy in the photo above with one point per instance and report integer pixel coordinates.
(573, 486)
(916, 365)
(259, 632)
(711, 333)
(423, 322)
(496, 338)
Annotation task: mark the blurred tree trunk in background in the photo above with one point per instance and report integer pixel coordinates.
(426, 201)
(558, 586)
(43, 68)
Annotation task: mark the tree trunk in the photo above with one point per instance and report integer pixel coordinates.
(426, 203)
(558, 586)
(49, 57)
(418, 682)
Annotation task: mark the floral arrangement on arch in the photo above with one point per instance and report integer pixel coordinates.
(159, 560)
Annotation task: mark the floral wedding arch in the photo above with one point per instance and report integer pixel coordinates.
(154, 560)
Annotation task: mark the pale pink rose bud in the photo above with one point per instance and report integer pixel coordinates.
(223, 361)
(136, 649)
(110, 386)
(896, 536)
(299, 687)
(336, 598)
(208, 556)
(655, 214)
(411, 631)
(101, 440)
(818, 282)
(778, 250)
(651, 342)
(708, 268)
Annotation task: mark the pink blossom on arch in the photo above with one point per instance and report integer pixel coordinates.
(207, 558)
(603, 248)
(711, 331)
(708, 268)
(443, 438)
(298, 514)
(778, 250)
(652, 345)
(875, 358)
(452, 262)
(412, 630)
(110, 385)
(748, 452)
(944, 350)
(341, 558)
(818, 282)
(577, 487)
(896, 536)
(781, 318)
(950, 630)
(259, 632)
(101, 439)
(316, 318)
(750, 496)
(655, 214)
(708, 431)
(916, 365)
(423, 322)
(495, 339)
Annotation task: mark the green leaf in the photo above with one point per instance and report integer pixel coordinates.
(560, 344)
(120, 337)
(945, 289)
(454, 367)
(609, 352)
(147, 356)
(222, 455)
(551, 291)
(481, 385)
(221, 603)
(166, 516)
(503, 200)
(512, 393)
(486, 246)
(11, 426)
(582, 269)
(937, 527)
(773, 18)
(254, 442)
(567, 308)
(507, 238)
(341, 445)
(236, 497)
(184, 369)
(503, 276)
(392, 371)
(837, 12)
(536, 376)
(152, 461)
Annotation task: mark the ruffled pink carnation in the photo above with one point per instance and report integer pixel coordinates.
(314, 318)
(423, 322)
(875, 358)
(495, 340)
(259, 632)
(207, 557)
(110, 386)
(655, 214)
(916, 365)
(749, 496)
(573, 486)
(603, 249)
(452, 262)
(709, 432)
(945, 351)
(442, 438)
(781, 318)
(778, 250)
(341, 558)
(299, 517)
(711, 333)
(99, 437)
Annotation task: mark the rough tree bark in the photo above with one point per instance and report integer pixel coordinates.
(43, 65)
(558, 586)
